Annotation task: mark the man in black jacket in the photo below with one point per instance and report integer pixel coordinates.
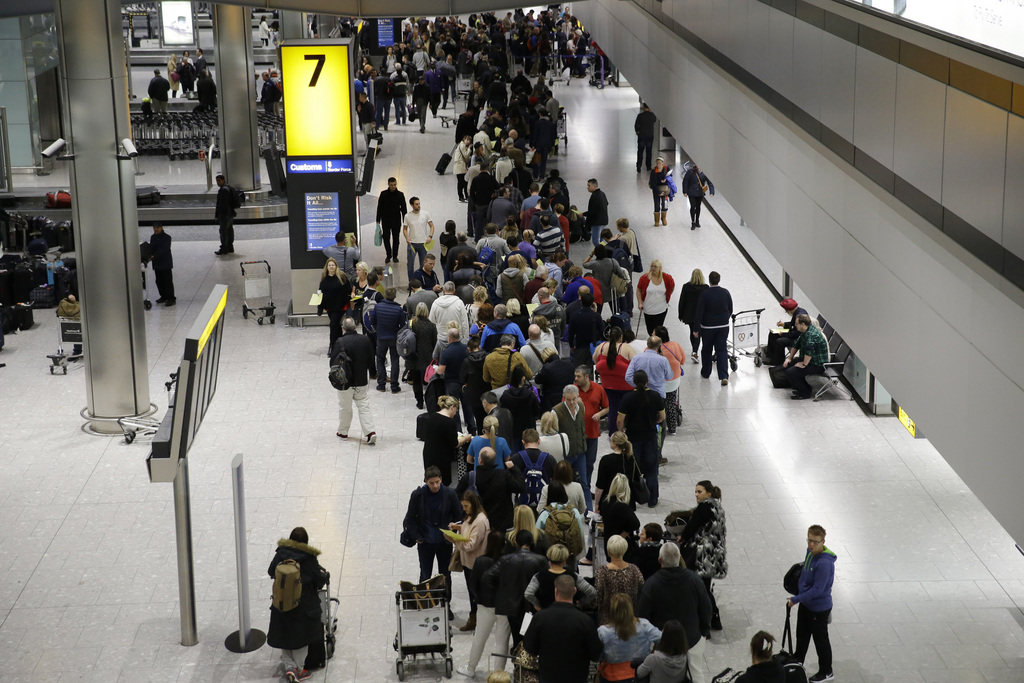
(496, 488)
(714, 310)
(675, 592)
(158, 89)
(360, 351)
(481, 191)
(489, 400)
(207, 91)
(511, 576)
(564, 639)
(644, 126)
(225, 215)
(391, 210)
(163, 265)
(597, 211)
(432, 507)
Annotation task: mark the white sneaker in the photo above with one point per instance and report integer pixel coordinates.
(464, 671)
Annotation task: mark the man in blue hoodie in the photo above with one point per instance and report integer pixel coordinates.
(714, 309)
(815, 603)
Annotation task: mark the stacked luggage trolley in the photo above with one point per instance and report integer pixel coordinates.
(185, 135)
(423, 627)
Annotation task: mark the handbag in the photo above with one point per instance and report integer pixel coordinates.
(378, 236)
(638, 261)
(638, 486)
(429, 373)
(455, 564)
(663, 189)
(620, 284)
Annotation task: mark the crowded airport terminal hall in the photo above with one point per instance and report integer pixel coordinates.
(613, 341)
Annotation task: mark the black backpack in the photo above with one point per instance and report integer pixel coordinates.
(342, 368)
(792, 668)
(533, 473)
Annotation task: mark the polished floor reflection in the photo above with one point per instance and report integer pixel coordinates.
(928, 586)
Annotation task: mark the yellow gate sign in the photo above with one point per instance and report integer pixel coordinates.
(317, 82)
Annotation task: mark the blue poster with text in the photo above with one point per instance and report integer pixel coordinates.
(323, 219)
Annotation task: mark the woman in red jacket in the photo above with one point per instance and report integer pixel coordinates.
(654, 291)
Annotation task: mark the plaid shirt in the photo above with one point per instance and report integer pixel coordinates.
(812, 343)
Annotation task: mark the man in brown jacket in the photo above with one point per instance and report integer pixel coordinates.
(500, 363)
(572, 422)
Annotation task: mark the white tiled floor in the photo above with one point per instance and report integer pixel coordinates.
(929, 587)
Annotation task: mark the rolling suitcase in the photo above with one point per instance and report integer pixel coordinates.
(22, 283)
(23, 315)
(65, 236)
(443, 162)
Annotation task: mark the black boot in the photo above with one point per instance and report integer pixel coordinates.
(716, 621)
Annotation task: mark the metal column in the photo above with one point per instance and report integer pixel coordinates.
(236, 95)
(293, 25)
(183, 538)
(104, 210)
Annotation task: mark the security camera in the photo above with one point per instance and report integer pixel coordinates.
(54, 149)
(129, 147)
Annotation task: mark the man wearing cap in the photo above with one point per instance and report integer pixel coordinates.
(779, 344)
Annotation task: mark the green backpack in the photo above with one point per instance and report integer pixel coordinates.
(561, 527)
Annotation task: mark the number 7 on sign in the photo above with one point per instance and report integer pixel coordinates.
(320, 59)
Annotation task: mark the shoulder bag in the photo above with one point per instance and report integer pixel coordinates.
(638, 485)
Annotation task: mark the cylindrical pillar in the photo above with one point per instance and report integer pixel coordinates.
(104, 211)
(239, 156)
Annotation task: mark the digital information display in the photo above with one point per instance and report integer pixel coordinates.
(385, 32)
(320, 166)
(323, 219)
(317, 92)
(997, 24)
(176, 23)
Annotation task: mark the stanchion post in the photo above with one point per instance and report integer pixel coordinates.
(186, 573)
(245, 639)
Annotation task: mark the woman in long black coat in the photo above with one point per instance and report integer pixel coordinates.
(293, 631)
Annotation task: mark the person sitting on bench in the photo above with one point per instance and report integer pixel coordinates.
(812, 349)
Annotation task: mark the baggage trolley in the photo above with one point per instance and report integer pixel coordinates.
(329, 616)
(423, 626)
(257, 287)
(146, 427)
(69, 331)
(746, 337)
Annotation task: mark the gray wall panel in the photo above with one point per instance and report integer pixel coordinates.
(874, 117)
(780, 47)
(1013, 205)
(920, 121)
(807, 73)
(974, 162)
(839, 62)
(757, 59)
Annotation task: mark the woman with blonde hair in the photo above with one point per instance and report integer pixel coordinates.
(474, 527)
(553, 442)
(618, 514)
(172, 75)
(335, 296)
(617, 576)
(541, 590)
(523, 518)
(515, 315)
(688, 296)
(490, 439)
(625, 638)
(473, 309)
(653, 294)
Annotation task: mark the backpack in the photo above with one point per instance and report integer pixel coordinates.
(561, 527)
(486, 256)
(369, 303)
(623, 258)
(342, 370)
(406, 342)
(287, 586)
(792, 668)
(237, 198)
(534, 475)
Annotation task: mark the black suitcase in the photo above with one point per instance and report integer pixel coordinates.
(147, 195)
(22, 314)
(778, 376)
(442, 163)
(6, 290)
(66, 236)
(22, 283)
